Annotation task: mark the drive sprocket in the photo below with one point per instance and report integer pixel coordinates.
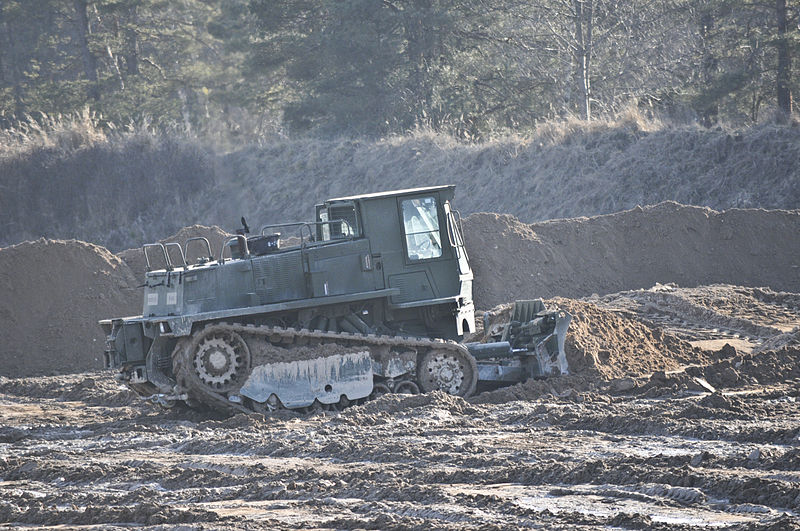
(220, 359)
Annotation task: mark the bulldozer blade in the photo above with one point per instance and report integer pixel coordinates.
(300, 383)
(562, 324)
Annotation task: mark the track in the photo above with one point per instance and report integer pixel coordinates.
(709, 315)
(189, 372)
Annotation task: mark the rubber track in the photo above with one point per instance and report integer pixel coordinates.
(182, 362)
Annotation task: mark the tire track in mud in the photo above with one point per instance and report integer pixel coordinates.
(435, 462)
(644, 451)
(747, 317)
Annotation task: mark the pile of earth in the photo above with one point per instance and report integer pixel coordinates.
(668, 242)
(54, 292)
(601, 346)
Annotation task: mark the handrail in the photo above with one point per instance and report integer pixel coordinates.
(180, 250)
(455, 230)
(210, 254)
(308, 224)
(245, 251)
(167, 262)
(275, 225)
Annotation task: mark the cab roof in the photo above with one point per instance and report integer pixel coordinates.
(394, 193)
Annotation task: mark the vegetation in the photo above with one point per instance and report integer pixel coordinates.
(123, 120)
(368, 68)
(70, 178)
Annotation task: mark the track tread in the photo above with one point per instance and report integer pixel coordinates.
(183, 352)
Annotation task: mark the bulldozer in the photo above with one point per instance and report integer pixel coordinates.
(371, 297)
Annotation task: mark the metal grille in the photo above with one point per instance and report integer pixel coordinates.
(412, 286)
(279, 278)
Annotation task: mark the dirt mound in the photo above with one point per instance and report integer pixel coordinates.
(710, 316)
(94, 388)
(612, 345)
(54, 292)
(215, 236)
(381, 409)
(633, 249)
(601, 345)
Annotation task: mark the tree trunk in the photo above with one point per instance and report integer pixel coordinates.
(783, 87)
(9, 64)
(583, 55)
(132, 44)
(82, 39)
(710, 109)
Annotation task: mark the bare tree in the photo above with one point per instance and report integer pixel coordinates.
(583, 14)
(783, 75)
(82, 31)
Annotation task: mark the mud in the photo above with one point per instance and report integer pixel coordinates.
(710, 316)
(681, 409)
(79, 450)
(649, 431)
(262, 352)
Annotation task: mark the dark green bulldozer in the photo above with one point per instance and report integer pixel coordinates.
(369, 298)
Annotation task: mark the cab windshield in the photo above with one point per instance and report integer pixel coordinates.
(421, 222)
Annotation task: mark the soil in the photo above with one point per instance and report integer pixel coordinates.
(79, 450)
(262, 352)
(53, 294)
(666, 243)
(681, 409)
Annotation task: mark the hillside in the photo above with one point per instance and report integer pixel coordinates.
(120, 190)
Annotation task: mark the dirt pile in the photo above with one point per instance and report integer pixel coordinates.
(602, 345)
(215, 236)
(612, 345)
(633, 249)
(53, 294)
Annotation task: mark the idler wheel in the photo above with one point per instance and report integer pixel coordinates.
(379, 389)
(407, 387)
(451, 371)
(221, 360)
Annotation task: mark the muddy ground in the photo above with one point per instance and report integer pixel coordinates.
(701, 429)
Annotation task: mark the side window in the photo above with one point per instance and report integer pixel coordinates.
(421, 222)
(342, 222)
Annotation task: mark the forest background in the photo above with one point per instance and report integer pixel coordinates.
(122, 120)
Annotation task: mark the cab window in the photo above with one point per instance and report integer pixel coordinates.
(421, 222)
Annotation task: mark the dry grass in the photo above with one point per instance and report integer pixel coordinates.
(81, 177)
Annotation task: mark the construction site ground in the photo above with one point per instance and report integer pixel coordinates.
(681, 409)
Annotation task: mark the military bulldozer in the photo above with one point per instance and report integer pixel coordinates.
(370, 298)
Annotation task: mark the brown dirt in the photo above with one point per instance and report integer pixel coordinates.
(262, 352)
(53, 294)
(613, 345)
(710, 316)
(659, 455)
(633, 249)
(601, 346)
